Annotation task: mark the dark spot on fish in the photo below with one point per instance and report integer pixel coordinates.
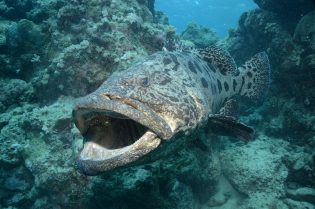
(249, 85)
(186, 119)
(174, 58)
(151, 57)
(234, 84)
(243, 82)
(152, 95)
(206, 68)
(249, 74)
(213, 89)
(174, 99)
(219, 85)
(198, 67)
(192, 67)
(164, 80)
(185, 100)
(166, 61)
(175, 68)
(212, 68)
(222, 69)
(166, 70)
(204, 83)
(226, 86)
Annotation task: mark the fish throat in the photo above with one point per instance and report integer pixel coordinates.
(113, 132)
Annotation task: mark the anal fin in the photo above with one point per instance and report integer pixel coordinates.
(228, 126)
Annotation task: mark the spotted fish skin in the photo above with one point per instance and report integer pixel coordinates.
(174, 95)
(184, 89)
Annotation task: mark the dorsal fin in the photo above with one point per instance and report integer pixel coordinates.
(220, 59)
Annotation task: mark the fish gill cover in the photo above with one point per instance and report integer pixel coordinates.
(54, 51)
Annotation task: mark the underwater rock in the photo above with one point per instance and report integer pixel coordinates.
(24, 45)
(290, 59)
(14, 92)
(160, 17)
(263, 201)
(304, 194)
(15, 9)
(288, 120)
(85, 49)
(13, 183)
(292, 204)
(287, 8)
(202, 37)
(3, 40)
(38, 141)
(305, 31)
(10, 153)
(260, 30)
(256, 167)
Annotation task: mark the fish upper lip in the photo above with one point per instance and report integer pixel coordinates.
(114, 106)
(124, 106)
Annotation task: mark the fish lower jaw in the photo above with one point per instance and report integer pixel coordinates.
(95, 158)
(94, 151)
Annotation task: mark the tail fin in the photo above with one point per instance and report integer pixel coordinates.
(255, 77)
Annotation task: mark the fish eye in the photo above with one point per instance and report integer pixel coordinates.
(145, 82)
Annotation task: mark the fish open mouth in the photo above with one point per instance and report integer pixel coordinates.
(117, 132)
(113, 132)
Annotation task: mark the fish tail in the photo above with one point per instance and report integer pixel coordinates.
(254, 78)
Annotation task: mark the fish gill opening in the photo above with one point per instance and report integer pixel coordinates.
(113, 131)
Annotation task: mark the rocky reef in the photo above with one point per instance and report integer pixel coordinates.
(285, 31)
(56, 50)
(200, 36)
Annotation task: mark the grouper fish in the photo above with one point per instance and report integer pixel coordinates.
(150, 110)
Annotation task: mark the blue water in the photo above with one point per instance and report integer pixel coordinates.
(217, 15)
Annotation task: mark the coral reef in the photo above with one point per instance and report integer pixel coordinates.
(289, 9)
(53, 47)
(255, 170)
(305, 31)
(285, 32)
(202, 37)
(261, 30)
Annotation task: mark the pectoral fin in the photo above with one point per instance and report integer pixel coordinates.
(228, 126)
(230, 109)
